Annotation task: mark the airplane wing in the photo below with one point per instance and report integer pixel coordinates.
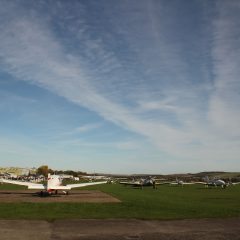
(235, 183)
(60, 187)
(174, 183)
(30, 185)
(126, 183)
(185, 183)
(76, 185)
(190, 183)
(131, 183)
(162, 183)
(204, 183)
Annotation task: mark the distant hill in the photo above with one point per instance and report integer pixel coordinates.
(188, 176)
(184, 176)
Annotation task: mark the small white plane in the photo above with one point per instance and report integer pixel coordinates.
(207, 183)
(54, 183)
(218, 183)
(215, 183)
(182, 183)
(149, 181)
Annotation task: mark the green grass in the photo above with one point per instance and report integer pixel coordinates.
(163, 203)
(11, 187)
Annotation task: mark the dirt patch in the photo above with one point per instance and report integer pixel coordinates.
(74, 196)
(112, 229)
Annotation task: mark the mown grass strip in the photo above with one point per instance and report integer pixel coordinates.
(163, 203)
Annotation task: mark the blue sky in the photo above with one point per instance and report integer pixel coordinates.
(120, 86)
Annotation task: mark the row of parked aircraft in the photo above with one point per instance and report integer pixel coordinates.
(149, 181)
(54, 184)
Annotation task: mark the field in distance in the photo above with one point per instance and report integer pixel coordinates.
(165, 202)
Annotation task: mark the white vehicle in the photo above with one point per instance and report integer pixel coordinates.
(54, 183)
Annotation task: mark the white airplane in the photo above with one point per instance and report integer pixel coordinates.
(54, 183)
(207, 183)
(181, 183)
(149, 181)
(215, 183)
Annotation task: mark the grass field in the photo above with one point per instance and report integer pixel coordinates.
(163, 203)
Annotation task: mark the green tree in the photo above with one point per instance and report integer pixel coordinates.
(44, 170)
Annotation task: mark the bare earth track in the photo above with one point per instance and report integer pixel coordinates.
(214, 229)
(74, 196)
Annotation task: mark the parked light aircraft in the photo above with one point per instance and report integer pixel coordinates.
(182, 183)
(207, 183)
(149, 181)
(215, 183)
(152, 182)
(54, 183)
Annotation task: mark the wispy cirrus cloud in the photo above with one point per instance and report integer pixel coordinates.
(146, 86)
(88, 127)
(224, 111)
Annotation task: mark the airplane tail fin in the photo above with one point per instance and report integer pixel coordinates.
(206, 178)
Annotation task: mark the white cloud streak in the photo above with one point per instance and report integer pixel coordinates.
(88, 127)
(31, 52)
(224, 112)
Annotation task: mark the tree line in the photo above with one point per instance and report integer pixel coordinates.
(44, 170)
